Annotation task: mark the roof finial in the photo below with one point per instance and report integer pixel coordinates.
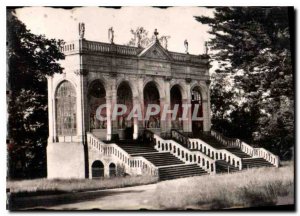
(111, 35)
(81, 29)
(156, 33)
(186, 45)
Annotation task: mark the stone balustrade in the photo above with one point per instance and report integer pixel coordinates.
(254, 152)
(216, 154)
(184, 154)
(94, 46)
(134, 165)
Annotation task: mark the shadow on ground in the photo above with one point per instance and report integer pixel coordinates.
(39, 202)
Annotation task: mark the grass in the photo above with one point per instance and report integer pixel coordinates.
(254, 187)
(249, 188)
(52, 186)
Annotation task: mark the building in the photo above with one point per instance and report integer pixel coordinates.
(82, 146)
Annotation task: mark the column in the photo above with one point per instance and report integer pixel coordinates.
(166, 125)
(135, 119)
(108, 114)
(206, 111)
(140, 98)
(187, 124)
(51, 116)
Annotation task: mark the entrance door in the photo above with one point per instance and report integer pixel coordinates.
(97, 169)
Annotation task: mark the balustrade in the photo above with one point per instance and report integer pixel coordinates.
(254, 152)
(184, 154)
(135, 162)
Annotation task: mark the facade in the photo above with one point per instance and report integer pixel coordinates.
(99, 73)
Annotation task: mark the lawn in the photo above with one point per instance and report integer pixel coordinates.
(249, 188)
(53, 186)
(253, 187)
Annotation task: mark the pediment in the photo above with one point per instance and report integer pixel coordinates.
(155, 51)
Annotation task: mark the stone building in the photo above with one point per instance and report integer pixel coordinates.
(99, 73)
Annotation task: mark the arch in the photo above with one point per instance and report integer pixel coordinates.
(133, 87)
(151, 96)
(157, 85)
(202, 88)
(112, 170)
(197, 107)
(97, 169)
(180, 86)
(176, 99)
(96, 97)
(65, 108)
(125, 97)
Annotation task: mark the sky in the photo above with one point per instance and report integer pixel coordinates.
(177, 22)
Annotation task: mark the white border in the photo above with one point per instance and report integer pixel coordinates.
(5, 3)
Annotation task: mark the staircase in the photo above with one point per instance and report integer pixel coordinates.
(169, 166)
(181, 171)
(238, 152)
(135, 150)
(210, 140)
(223, 166)
(255, 162)
(161, 159)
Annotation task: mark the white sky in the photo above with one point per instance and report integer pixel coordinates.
(177, 22)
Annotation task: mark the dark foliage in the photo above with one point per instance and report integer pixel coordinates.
(30, 59)
(252, 48)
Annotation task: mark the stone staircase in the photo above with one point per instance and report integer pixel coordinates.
(161, 159)
(170, 163)
(169, 166)
(181, 171)
(223, 166)
(255, 162)
(237, 152)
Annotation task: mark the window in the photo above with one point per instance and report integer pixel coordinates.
(65, 109)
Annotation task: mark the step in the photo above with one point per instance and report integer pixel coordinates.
(222, 167)
(161, 159)
(238, 152)
(180, 171)
(137, 149)
(255, 162)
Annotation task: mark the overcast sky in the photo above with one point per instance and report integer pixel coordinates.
(177, 22)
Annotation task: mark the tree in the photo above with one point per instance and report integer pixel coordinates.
(252, 48)
(30, 59)
(145, 40)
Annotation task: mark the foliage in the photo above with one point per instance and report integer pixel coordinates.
(145, 40)
(252, 48)
(30, 59)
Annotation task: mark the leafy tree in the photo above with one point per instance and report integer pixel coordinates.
(30, 59)
(252, 48)
(145, 40)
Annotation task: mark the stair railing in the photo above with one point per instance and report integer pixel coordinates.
(184, 154)
(230, 142)
(134, 165)
(216, 154)
(180, 137)
(254, 152)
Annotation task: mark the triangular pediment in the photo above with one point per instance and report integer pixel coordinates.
(155, 51)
